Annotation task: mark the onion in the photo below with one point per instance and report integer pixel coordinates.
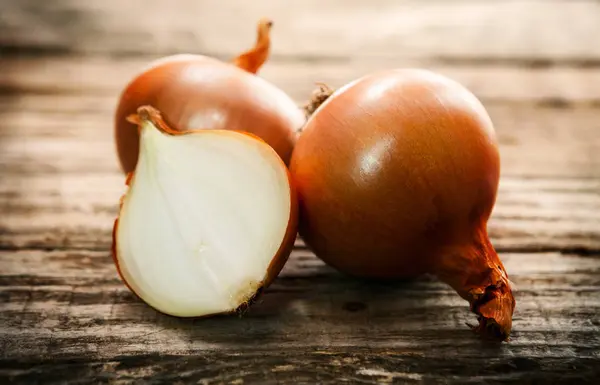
(199, 92)
(397, 175)
(207, 222)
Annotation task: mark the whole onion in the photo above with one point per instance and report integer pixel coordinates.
(200, 92)
(397, 175)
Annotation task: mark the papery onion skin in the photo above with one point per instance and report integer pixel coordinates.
(287, 243)
(397, 175)
(200, 92)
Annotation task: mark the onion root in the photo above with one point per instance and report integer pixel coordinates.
(319, 96)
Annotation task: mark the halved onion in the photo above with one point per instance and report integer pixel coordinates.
(208, 220)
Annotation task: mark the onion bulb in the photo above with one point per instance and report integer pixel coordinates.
(200, 92)
(207, 222)
(397, 175)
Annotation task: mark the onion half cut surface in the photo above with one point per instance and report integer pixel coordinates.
(208, 220)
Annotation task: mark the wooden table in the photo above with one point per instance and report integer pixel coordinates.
(66, 317)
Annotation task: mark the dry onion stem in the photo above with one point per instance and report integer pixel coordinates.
(254, 58)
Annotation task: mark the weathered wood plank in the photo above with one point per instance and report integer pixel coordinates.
(294, 366)
(530, 214)
(69, 307)
(48, 285)
(492, 83)
(463, 30)
(545, 142)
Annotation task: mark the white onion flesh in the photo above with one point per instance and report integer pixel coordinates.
(203, 219)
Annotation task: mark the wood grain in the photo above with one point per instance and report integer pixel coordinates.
(359, 366)
(68, 309)
(531, 213)
(67, 105)
(554, 86)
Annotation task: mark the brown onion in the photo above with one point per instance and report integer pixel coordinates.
(397, 175)
(200, 92)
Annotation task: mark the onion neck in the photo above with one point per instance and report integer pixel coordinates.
(475, 271)
(253, 59)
